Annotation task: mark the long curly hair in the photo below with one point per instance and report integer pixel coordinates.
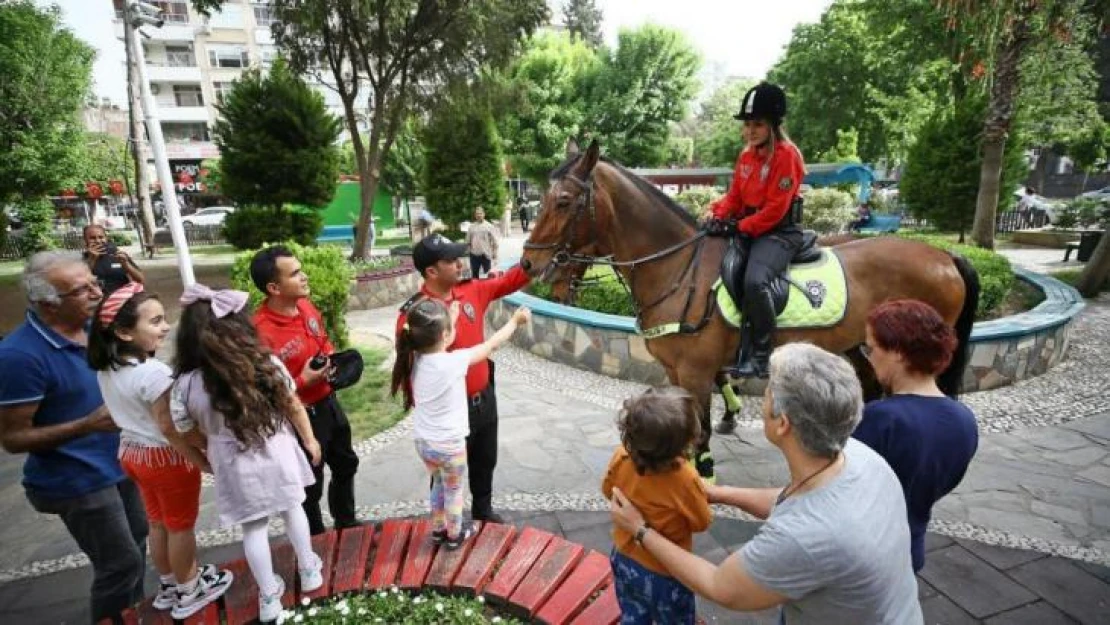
(241, 378)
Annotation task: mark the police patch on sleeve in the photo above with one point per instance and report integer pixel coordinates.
(786, 182)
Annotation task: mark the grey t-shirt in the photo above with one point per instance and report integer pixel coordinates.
(840, 552)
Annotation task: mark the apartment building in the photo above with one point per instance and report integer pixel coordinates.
(192, 61)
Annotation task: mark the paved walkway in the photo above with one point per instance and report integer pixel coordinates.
(1040, 482)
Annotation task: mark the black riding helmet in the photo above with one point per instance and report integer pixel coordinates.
(763, 101)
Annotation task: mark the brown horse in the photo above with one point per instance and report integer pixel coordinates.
(595, 208)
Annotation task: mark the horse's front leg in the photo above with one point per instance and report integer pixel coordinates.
(701, 389)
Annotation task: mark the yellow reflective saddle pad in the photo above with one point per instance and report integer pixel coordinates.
(822, 305)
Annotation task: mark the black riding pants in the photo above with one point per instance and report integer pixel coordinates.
(768, 257)
(333, 431)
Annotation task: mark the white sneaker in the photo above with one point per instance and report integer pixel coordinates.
(212, 585)
(166, 597)
(312, 576)
(269, 605)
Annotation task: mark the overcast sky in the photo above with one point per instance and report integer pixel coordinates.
(735, 37)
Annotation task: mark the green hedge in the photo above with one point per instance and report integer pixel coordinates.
(250, 226)
(329, 275)
(607, 296)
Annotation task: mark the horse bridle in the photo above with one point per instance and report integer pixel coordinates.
(565, 255)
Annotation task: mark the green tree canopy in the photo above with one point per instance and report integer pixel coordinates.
(639, 89)
(717, 141)
(44, 79)
(583, 20)
(101, 158)
(464, 163)
(277, 141)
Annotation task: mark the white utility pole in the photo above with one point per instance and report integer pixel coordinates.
(141, 13)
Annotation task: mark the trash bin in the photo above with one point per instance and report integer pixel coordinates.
(1088, 241)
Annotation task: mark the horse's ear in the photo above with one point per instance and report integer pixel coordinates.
(572, 148)
(593, 153)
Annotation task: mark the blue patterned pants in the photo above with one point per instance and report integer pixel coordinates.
(647, 597)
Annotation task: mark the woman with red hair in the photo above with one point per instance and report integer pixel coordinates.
(925, 436)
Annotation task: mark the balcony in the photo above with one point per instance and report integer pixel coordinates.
(174, 73)
(182, 113)
(191, 149)
(171, 31)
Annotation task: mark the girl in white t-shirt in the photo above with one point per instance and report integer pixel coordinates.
(129, 326)
(433, 381)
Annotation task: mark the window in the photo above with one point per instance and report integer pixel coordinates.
(174, 11)
(264, 15)
(222, 89)
(228, 57)
(269, 53)
(187, 95)
(230, 16)
(190, 131)
(180, 57)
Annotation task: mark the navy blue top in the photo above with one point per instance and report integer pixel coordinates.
(38, 365)
(928, 441)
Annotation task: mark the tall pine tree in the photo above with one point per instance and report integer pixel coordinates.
(583, 19)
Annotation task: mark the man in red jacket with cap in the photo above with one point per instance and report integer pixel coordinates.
(293, 329)
(439, 261)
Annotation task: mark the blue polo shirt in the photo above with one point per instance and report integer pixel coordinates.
(37, 365)
(929, 442)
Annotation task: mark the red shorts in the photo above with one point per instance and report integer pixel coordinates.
(168, 483)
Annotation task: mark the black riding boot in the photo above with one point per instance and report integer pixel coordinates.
(760, 312)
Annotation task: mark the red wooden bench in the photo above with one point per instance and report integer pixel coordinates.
(532, 573)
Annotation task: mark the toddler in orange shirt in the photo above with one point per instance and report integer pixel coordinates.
(657, 430)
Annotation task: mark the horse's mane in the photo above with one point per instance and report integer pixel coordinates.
(643, 185)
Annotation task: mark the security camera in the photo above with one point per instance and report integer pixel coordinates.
(146, 14)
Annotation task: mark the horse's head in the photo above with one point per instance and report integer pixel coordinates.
(567, 224)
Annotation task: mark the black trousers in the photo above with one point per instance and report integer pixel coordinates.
(768, 256)
(481, 447)
(333, 431)
(478, 263)
(524, 221)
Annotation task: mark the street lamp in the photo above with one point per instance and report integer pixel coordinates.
(145, 14)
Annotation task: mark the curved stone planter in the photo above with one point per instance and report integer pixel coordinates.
(383, 288)
(1003, 350)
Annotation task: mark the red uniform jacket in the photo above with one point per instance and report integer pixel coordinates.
(295, 340)
(474, 297)
(768, 189)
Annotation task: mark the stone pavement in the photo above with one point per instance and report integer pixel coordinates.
(1040, 482)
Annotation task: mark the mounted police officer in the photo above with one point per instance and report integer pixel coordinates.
(763, 202)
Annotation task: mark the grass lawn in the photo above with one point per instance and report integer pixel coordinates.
(368, 405)
(10, 270)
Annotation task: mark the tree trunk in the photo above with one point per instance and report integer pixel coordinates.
(137, 135)
(1000, 112)
(1097, 270)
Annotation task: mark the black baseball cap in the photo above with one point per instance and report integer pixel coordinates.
(434, 248)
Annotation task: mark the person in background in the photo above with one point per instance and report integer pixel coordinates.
(658, 429)
(481, 240)
(833, 547)
(438, 262)
(928, 439)
(372, 234)
(111, 265)
(522, 211)
(290, 326)
(52, 410)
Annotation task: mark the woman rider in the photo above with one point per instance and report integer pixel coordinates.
(764, 186)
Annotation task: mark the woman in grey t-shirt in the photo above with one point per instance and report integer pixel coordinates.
(834, 546)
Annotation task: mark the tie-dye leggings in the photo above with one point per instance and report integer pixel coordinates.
(446, 462)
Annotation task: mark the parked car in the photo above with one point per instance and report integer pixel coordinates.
(1102, 195)
(211, 216)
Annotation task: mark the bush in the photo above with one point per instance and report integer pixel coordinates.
(1089, 212)
(996, 278)
(119, 239)
(884, 204)
(250, 226)
(696, 199)
(828, 210)
(463, 162)
(1066, 218)
(396, 606)
(606, 296)
(328, 272)
(37, 216)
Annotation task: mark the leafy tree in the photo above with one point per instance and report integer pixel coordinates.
(941, 179)
(583, 20)
(404, 167)
(1091, 148)
(211, 175)
(37, 215)
(46, 73)
(545, 103)
(717, 141)
(846, 149)
(398, 56)
(641, 87)
(277, 141)
(100, 158)
(463, 162)
(680, 151)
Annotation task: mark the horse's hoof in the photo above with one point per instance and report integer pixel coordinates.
(725, 426)
(706, 468)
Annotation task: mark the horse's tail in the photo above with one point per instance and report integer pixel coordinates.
(949, 380)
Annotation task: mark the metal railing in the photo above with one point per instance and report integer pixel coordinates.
(1012, 221)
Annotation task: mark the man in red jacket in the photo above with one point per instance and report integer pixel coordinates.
(439, 261)
(764, 187)
(293, 329)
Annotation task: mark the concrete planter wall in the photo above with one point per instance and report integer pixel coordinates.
(384, 288)
(1045, 238)
(1003, 350)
